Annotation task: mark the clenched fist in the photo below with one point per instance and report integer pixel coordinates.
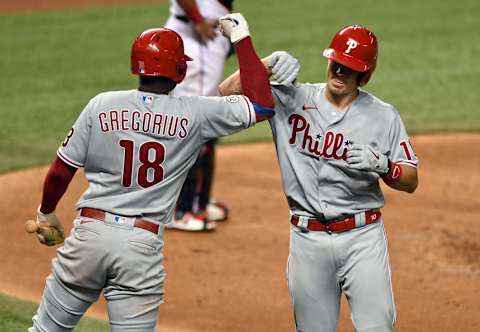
(234, 26)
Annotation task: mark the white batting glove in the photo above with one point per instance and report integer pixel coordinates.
(45, 220)
(234, 26)
(284, 67)
(366, 158)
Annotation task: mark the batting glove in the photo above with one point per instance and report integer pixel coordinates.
(366, 158)
(45, 221)
(284, 67)
(234, 26)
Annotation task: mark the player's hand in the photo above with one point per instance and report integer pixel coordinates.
(205, 31)
(284, 67)
(47, 228)
(234, 26)
(366, 158)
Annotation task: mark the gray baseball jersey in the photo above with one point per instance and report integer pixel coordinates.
(137, 147)
(312, 139)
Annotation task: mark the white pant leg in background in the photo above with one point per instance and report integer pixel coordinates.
(205, 72)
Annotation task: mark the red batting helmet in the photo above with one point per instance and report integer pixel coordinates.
(354, 47)
(159, 52)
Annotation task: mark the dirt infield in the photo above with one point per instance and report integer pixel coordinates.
(233, 279)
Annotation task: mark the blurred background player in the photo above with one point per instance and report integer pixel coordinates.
(197, 23)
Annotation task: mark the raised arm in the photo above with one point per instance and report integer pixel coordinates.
(253, 74)
(280, 65)
(232, 84)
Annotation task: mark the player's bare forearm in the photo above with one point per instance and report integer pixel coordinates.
(204, 30)
(191, 9)
(232, 85)
(408, 181)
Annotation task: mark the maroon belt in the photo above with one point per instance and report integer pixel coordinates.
(100, 215)
(336, 226)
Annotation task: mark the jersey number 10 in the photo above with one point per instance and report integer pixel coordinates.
(154, 165)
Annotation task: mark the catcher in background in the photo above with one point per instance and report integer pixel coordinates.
(335, 142)
(197, 23)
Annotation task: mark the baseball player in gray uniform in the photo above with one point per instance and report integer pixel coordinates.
(136, 148)
(334, 143)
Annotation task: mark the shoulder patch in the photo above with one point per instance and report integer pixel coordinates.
(232, 99)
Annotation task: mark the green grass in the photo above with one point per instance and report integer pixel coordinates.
(54, 62)
(16, 316)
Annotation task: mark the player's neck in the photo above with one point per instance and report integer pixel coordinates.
(154, 89)
(156, 84)
(341, 101)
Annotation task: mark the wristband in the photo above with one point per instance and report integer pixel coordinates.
(394, 173)
(194, 14)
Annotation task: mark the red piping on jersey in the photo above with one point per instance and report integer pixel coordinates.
(68, 161)
(249, 111)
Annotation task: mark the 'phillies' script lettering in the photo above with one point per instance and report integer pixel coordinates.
(331, 145)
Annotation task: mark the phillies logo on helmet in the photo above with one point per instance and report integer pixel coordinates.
(351, 43)
(141, 67)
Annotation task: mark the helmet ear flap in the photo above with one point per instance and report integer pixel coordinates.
(182, 70)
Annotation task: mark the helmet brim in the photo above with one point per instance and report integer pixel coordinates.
(346, 60)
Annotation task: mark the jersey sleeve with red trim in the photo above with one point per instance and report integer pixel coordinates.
(401, 149)
(225, 115)
(73, 150)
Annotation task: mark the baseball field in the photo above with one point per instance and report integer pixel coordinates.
(57, 54)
